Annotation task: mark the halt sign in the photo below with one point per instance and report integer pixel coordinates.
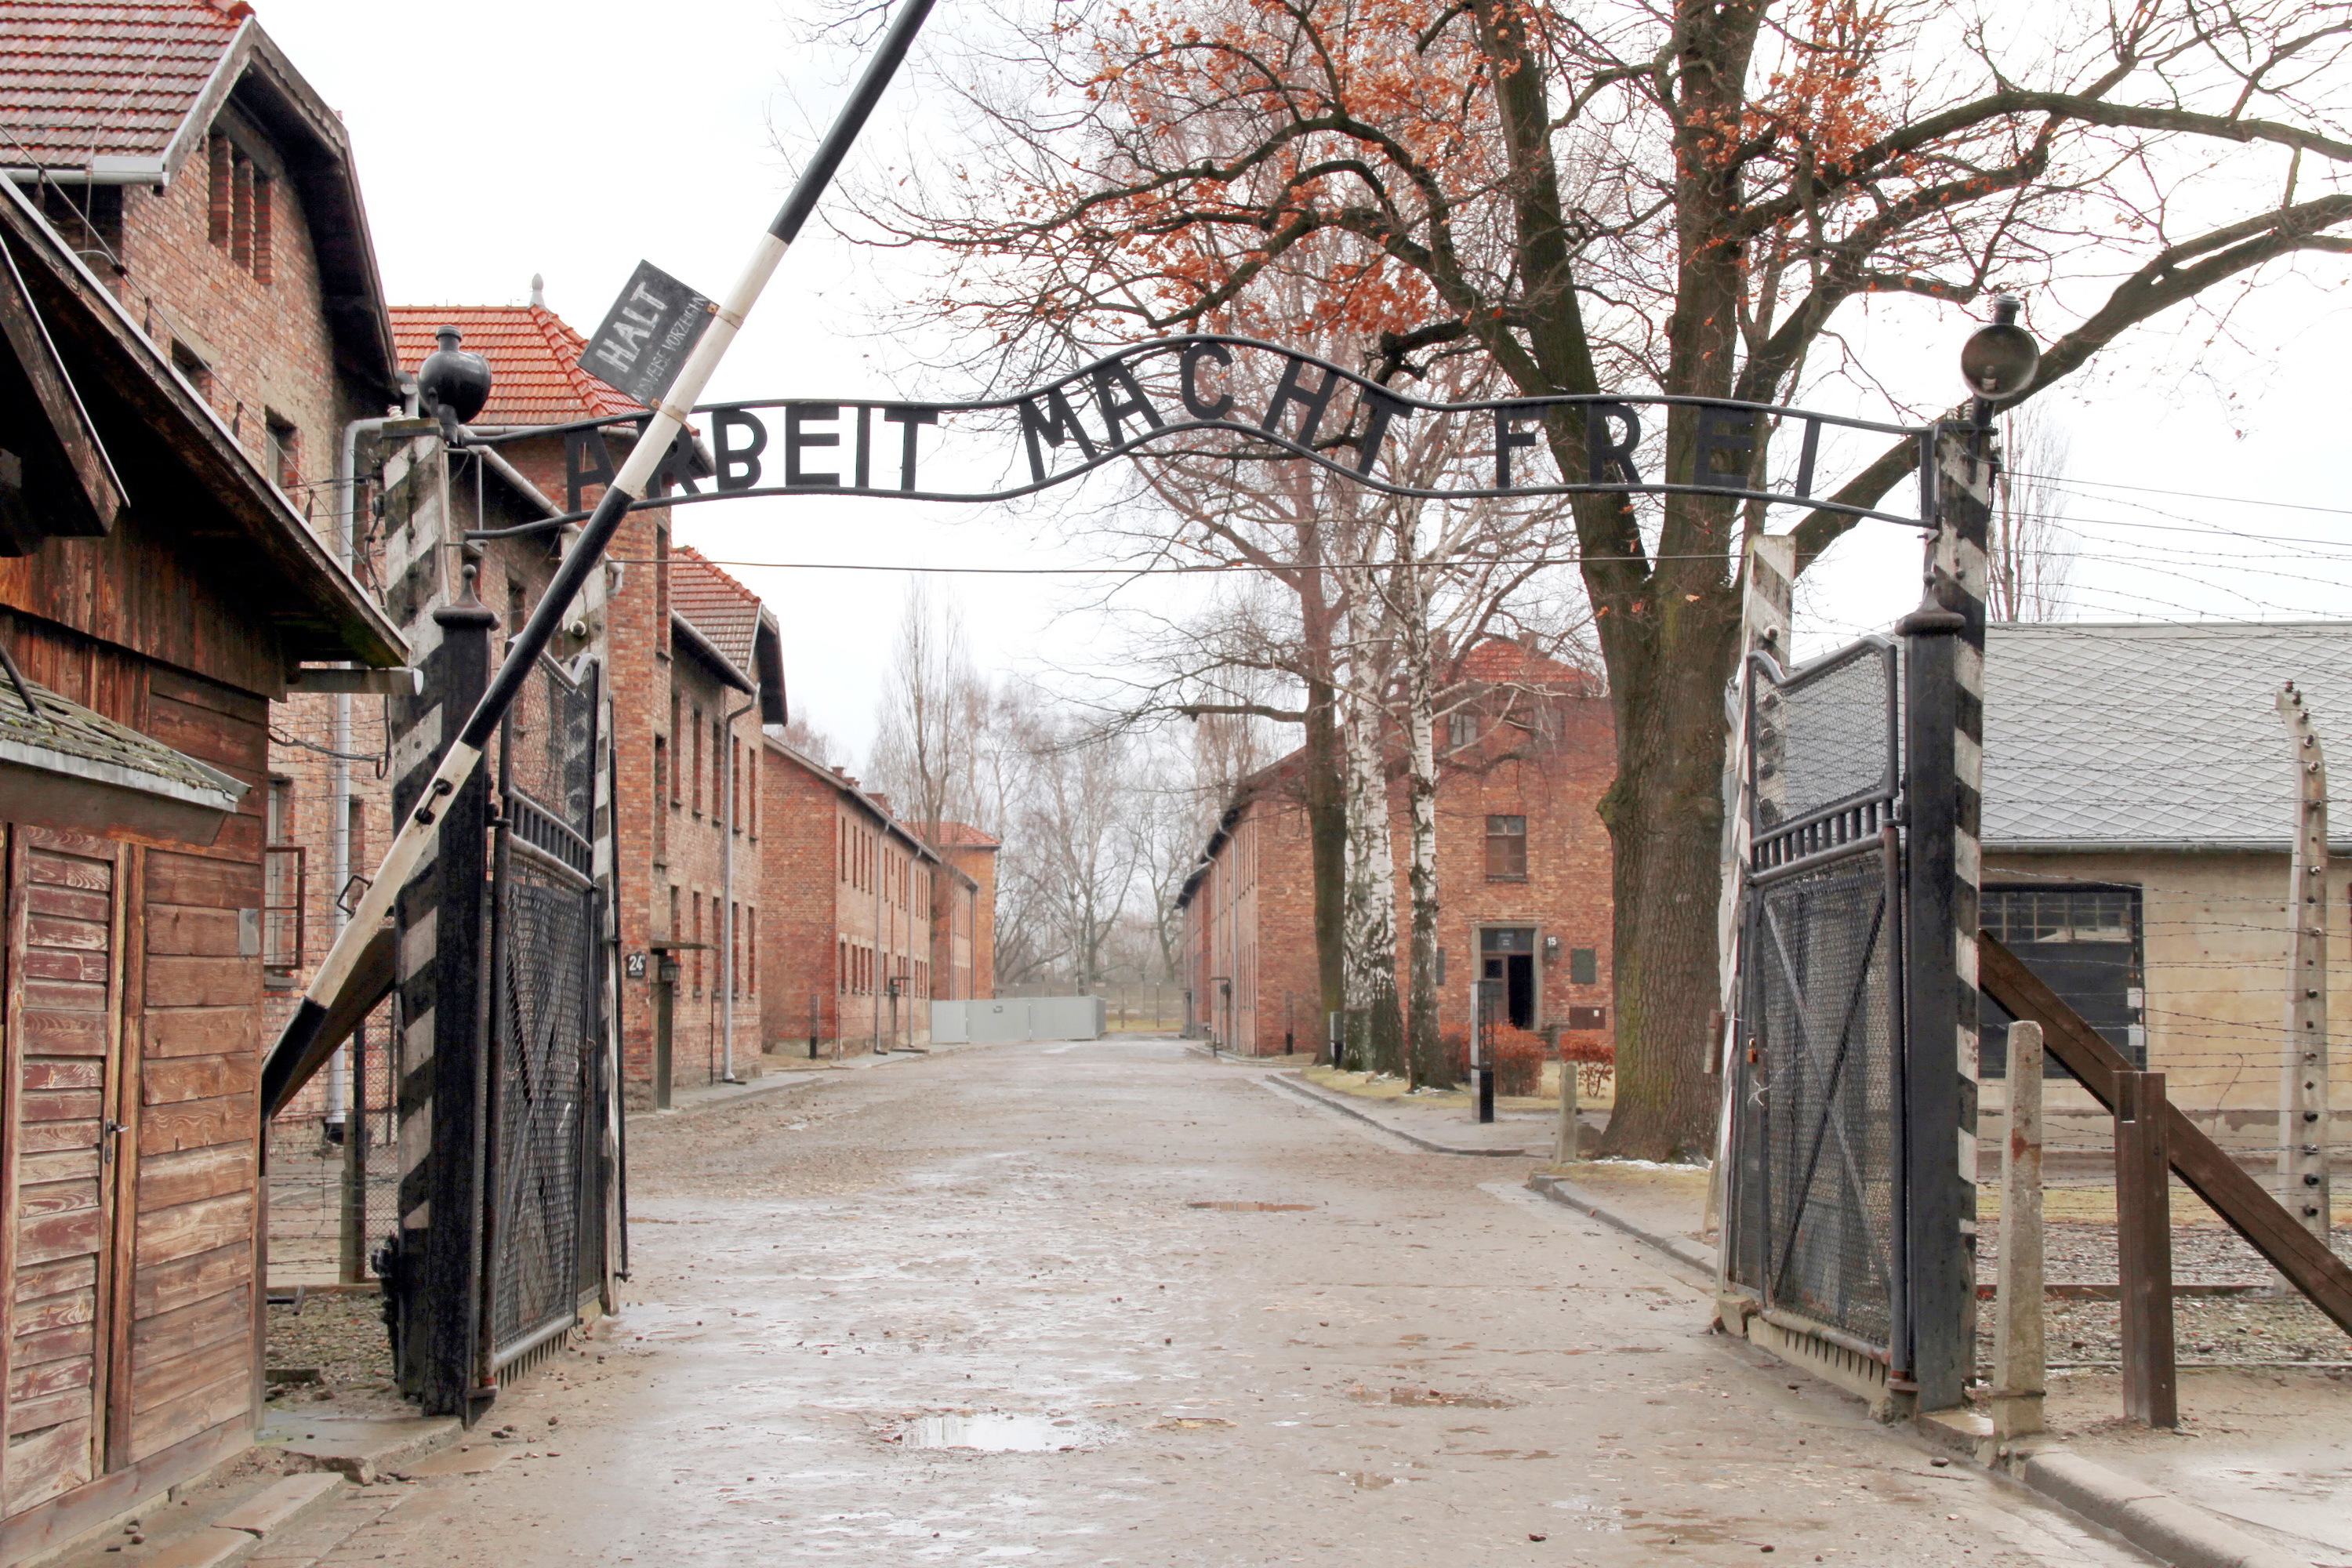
(647, 334)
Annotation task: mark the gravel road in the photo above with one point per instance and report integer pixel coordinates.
(1110, 1304)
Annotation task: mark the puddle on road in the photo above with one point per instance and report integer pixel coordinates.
(1403, 1396)
(993, 1433)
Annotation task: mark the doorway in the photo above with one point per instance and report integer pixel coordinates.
(1508, 953)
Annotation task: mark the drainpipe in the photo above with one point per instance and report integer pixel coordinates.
(727, 906)
(339, 789)
(881, 959)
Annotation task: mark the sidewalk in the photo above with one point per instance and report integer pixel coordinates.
(1432, 1124)
(777, 1073)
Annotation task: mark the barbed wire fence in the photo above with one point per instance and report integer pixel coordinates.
(2180, 954)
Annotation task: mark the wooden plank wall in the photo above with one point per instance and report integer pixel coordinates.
(176, 1284)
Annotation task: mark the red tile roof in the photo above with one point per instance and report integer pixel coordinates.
(958, 834)
(725, 612)
(535, 374)
(89, 77)
(1502, 661)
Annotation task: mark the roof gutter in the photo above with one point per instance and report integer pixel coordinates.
(2147, 845)
(107, 169)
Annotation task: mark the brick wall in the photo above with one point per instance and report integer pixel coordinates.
(978, 861)
(1250, 919)
(266, 344)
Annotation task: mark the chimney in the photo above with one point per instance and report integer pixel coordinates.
(881, 800)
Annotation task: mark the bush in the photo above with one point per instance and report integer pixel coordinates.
(1519, 1059)
(1595, 1060)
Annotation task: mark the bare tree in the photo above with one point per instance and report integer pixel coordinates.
(2030, 552)
(926, 746)
(1630, 194)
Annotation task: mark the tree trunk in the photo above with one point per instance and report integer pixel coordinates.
(1427, 1051)
(1416, 654)
(1325, 794)
(1664, 815)
(1371, 937)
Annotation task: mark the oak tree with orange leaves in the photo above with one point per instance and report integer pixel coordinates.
(1679, 196)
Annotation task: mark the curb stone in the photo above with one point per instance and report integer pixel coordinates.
(281, 1503)
(1290, 1083)
(2162, 1525)
(1680, 1250)
(357, 1453)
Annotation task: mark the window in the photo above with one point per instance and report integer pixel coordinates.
(192, 368)
(2084, 944)
(752, 943)
(238, 216)
(1506, 848)
(661, 782)
(1461, 728)
(283, 871)
(1583, 966)
(697, 762)
(677, 757)
(1441, 966)
(697, 899)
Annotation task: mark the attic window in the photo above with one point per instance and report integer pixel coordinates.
(237, 216)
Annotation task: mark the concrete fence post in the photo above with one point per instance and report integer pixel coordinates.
(2021, 1368)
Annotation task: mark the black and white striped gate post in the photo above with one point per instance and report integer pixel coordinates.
(435, 1291)
(1943, 717)
(421, 824)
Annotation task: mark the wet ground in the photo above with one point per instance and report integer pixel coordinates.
(1110, 1303)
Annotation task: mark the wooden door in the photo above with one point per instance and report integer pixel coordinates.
(57, 1178)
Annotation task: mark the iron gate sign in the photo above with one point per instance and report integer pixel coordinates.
(1145, 400)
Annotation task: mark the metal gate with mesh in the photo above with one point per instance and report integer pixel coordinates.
(1814, 1216)
(546, 1184)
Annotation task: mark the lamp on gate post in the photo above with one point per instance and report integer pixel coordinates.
(1998, 361)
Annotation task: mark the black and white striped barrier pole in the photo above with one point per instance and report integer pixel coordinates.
(409, 847)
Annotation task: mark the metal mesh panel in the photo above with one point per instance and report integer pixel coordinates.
(1815, 1187)
(546, 1226)
(543, 1027)
(550, 735)
(1825, 736)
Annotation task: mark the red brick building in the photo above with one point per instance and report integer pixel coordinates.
(866, 924)
(194, 298)
(1523, 870)
(965, 930)
(693, 668)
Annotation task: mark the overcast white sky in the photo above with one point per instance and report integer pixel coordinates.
(500, 138)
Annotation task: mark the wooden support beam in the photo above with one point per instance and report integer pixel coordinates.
(2267, 1226)
(2144, 1247)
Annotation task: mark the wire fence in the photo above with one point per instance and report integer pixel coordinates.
(2142, 786)
(334, 1177)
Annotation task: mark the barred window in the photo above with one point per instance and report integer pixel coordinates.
(2085, 942)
